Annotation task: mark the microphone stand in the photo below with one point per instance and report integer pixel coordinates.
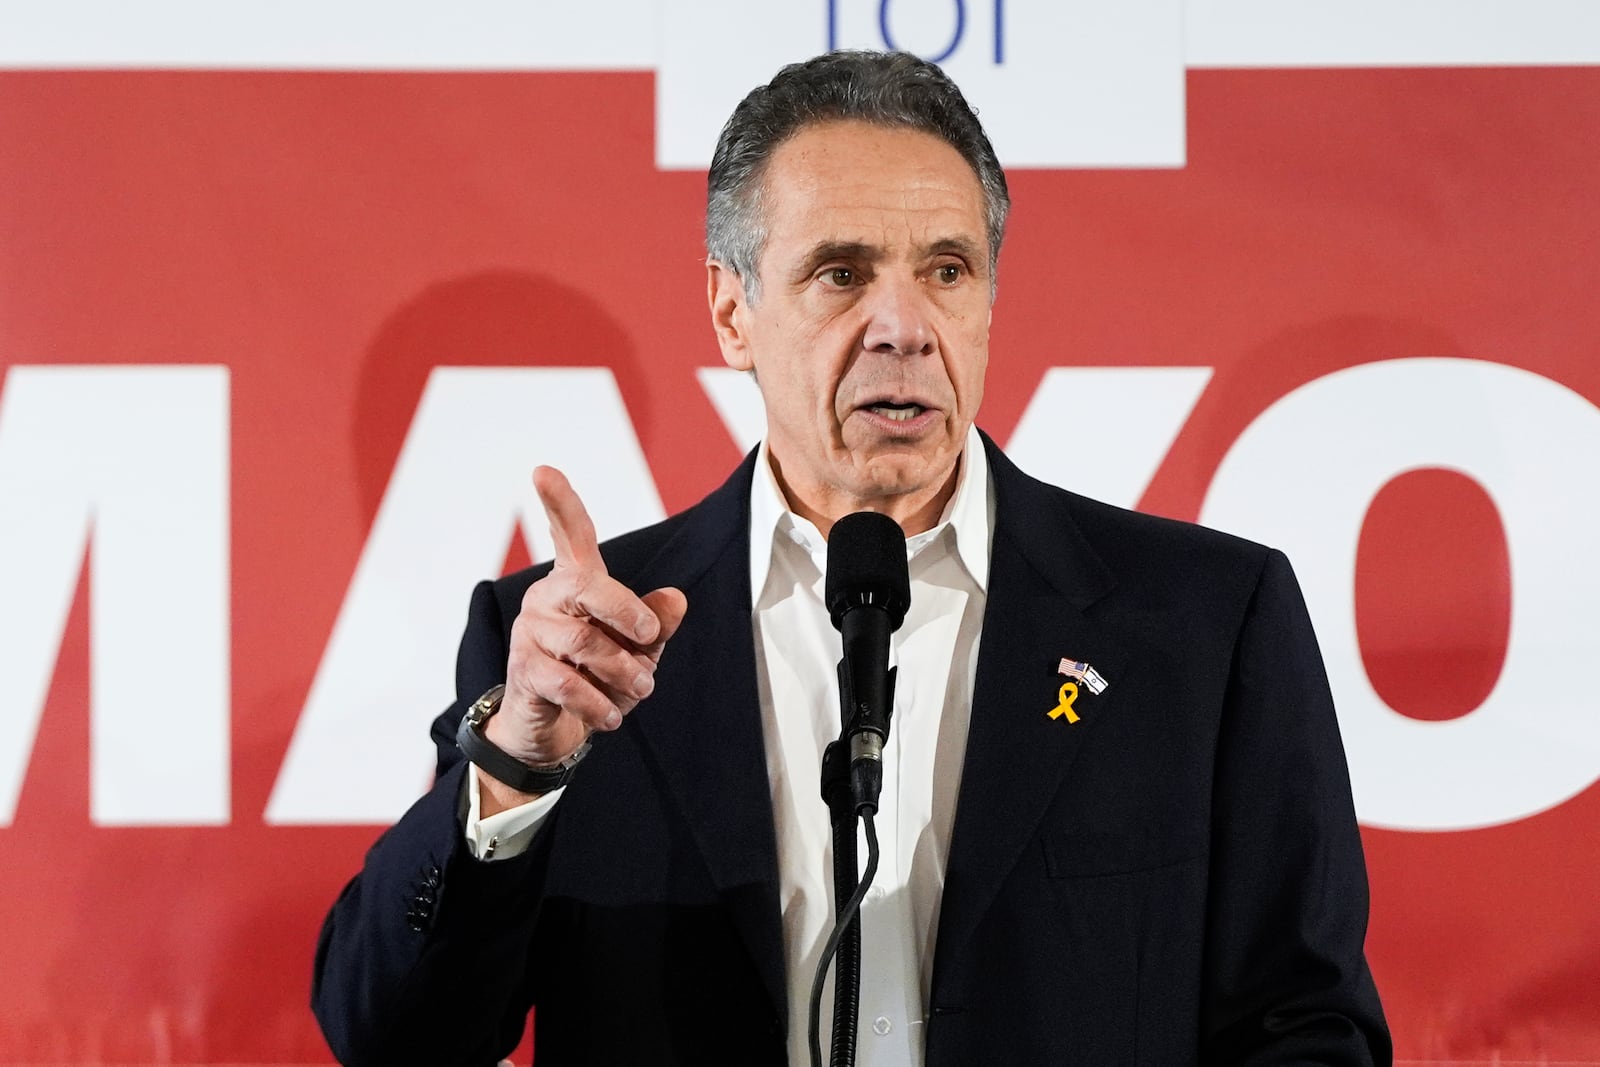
(847, 965)
(850, 789)
(867, 591)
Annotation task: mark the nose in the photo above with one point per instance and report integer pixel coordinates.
(899, 320)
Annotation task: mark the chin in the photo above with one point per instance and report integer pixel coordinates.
(897, 475)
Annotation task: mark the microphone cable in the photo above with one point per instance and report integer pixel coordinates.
(847, 915)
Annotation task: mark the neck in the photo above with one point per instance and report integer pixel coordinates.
(916, 512)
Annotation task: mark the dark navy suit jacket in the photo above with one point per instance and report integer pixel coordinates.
(1175, 879)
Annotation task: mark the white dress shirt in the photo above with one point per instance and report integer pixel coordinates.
(797, 651)
(936, 650)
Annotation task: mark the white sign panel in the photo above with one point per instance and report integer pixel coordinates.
(1058, 83)
(1392, 33)
(331, 34)
(625, 34)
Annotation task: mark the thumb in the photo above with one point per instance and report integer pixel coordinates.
(670, 606)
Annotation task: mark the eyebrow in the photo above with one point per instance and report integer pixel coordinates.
(823, 251)
(963, 247)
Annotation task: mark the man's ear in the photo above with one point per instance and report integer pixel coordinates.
(725, 292)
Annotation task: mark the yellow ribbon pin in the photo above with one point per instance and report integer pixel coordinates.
(1068, 694)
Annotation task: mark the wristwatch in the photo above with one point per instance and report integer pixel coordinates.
(502, 765)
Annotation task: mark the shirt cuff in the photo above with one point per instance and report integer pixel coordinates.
(507, 833)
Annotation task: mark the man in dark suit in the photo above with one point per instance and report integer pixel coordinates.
(1118, 816)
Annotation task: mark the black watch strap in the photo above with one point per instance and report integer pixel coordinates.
(502, 765)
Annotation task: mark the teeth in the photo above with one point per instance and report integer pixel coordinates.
(898, 414)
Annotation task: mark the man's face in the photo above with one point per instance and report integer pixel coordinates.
(870, 336)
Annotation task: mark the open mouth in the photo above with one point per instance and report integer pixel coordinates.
(896, 412)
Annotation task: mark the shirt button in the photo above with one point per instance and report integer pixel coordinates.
(881, 1025)
(876, 893)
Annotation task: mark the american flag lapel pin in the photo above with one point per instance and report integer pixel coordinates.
(1076, 671)
(1081, 671)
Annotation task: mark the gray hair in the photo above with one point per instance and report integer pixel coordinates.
(893, 89)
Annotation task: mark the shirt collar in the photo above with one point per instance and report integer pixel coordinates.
(968, 520)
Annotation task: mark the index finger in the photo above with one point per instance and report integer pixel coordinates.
(570, 526)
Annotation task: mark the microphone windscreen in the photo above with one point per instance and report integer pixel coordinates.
(867, 565)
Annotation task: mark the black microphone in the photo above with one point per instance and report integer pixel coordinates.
(867, 591)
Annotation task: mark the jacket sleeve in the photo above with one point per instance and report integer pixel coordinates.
(424, 957)
(1286, 979)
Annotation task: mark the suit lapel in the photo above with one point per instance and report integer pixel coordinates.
(704, 722)
(1043, 575)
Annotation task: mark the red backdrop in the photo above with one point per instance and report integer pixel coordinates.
(330, 237)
